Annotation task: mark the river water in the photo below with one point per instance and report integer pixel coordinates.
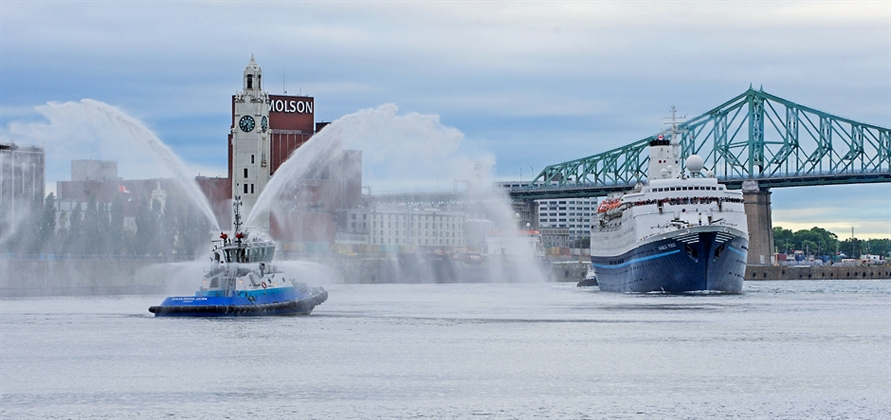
(798, 349)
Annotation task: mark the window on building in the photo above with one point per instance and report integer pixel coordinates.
(252, 160)
(245, 188)
(245, 172)
(252, 188)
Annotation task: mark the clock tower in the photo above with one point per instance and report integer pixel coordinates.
(249, 142)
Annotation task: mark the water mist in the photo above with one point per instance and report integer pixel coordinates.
(90, 129)
(404, 153)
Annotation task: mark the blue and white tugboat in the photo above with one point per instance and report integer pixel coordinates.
(243, 281)
(674, 233)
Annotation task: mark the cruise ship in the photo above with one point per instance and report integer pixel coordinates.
(676, 233)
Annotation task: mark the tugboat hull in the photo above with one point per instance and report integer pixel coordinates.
(284, 303)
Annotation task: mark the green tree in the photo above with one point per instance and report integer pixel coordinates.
(146, 230)
(45, 236)
(93, 239)
(166, 240)
(73, 240)
(783, 239)
(115, 231)
(192, 231)
(878, 247)
(60, 244)
(817, 240)
(852, 247)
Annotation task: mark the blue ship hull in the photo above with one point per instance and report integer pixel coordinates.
(278, 301)
(699, 261)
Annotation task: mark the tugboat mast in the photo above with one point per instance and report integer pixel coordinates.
(236, 204)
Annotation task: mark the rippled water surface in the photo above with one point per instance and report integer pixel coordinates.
(817, 349)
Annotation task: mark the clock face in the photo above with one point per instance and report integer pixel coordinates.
(246, 123)
(264, 124)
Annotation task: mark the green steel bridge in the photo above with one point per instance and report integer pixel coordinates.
(755, 136)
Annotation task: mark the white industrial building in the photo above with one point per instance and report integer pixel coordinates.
(407, 226)
(572, 213)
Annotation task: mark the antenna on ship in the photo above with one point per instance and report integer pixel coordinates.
(673, 120)
(236, 204)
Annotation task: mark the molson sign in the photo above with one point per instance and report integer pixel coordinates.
(300, 106)
(291, 113)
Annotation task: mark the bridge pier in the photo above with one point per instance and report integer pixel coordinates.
(757, 204)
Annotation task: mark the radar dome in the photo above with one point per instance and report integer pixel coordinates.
(694, 163)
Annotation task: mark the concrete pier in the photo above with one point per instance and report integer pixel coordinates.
(825, 272)
(757, 205)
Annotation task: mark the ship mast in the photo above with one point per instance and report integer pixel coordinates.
(236, 204)
(673, 120)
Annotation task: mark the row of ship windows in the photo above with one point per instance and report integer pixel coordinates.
(697, 188)
(545, 208)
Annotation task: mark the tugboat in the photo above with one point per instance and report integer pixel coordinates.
(243, 281)
(673, 234)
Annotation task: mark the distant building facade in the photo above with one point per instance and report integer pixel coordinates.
(405, 226)
(22, 182)
(98, 181)
(574, 214)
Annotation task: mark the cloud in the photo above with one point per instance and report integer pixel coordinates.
(531, 83)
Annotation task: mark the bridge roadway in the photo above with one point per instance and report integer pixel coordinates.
(522, 191)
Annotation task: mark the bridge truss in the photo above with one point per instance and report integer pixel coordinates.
(755, 136)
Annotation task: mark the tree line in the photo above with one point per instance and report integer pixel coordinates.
(819, 241)
(98, 229)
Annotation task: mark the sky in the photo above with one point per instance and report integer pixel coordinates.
(530, 83)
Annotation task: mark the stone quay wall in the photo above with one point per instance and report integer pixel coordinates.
(826, 272)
